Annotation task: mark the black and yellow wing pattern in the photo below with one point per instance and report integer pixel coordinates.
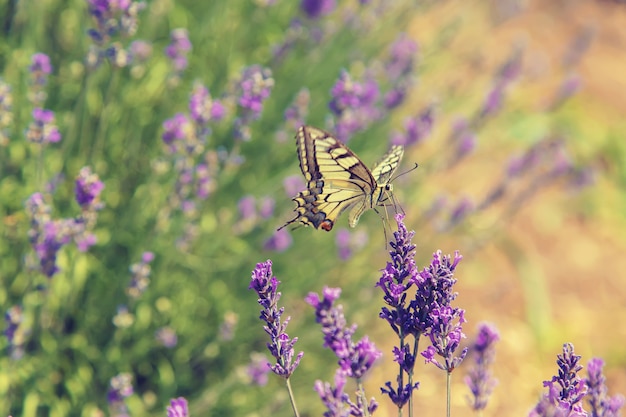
(337, 180)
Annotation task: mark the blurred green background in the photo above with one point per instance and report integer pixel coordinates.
(545, 270)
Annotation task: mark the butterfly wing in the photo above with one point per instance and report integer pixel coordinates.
(387, 165)
(336, 180)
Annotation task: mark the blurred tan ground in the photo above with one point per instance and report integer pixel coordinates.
(558, 272)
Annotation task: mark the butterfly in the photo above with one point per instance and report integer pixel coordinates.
(337, 180)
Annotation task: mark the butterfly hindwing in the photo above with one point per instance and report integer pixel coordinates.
(337, 180)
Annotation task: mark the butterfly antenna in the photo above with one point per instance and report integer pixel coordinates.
(404, 173)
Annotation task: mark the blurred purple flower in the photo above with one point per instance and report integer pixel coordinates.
(280, 346)
(88, 189)
(570, 86)
(255, 87)
(565, 391)
(279, 241)
(178, 408)
(460, 211)
(314, 9)
(14, 331)
(247, 207)
(348, 242)
(354, 104)
(479, 378)
(39, 69)
(597, 392)
(178, 48)
(402, 57)
(120, 388)
(258, 368)
(43, 130)
(140, 278)
(266, 207)
(114, 19)
(175, 129)
(293, 184)
(417, 128)
(202, 107)
(140, 51)
(166, 336)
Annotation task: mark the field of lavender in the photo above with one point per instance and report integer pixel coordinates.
(147, 159)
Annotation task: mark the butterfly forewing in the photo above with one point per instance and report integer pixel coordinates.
(337, 179)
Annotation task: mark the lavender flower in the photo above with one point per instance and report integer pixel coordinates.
(178, 408)
(601, 404)
(42, 129)
(354, 104)
(203, 108)
(280, 346)
(314, 9)
(6, 114)
(398, 70)
(254, 88)
(39, 69)
(293, 184)
(460, 211)
(565, 391)
(88, 189)
(354, 359)
(397, 278)
(506, 74)
(14, 331)
(166, 336)
(113, 20)
(348, 242)
(280, 241)
(417, 128)
(445, 337)
(258, 368)
(120, 388)
(336, 401)
(140, 276)
(177, 50)
(479, 379)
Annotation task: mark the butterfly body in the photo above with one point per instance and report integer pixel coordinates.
(337, 180)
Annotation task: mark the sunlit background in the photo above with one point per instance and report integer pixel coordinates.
(489, 83)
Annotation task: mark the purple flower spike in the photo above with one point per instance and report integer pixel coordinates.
(88, 188)
(202, 108)
(120, 389)
(445, 337)
(280, 241)
(479, 378)
(314, 9)
(43, 130)
(565, 391)
(599, 401)
(280, 346)
(417, 128)
(177, 50)
(178, 408)
(256, 85)
(355, 359)
(140, 276)
(354, 105)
